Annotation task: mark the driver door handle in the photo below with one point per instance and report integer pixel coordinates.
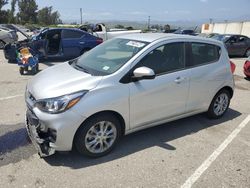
(81, 42)
(179, 79)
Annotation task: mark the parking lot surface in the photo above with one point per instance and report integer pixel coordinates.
(194, 151)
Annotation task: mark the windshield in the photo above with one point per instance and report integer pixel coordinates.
(108, 57)
(222, 38)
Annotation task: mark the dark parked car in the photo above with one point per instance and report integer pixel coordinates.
(185, 32)
(60, 43)
(237, 45)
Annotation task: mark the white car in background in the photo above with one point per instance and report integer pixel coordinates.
(6, 36)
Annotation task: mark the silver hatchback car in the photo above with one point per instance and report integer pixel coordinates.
(124, 85)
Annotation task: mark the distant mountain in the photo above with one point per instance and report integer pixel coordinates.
(185, 24)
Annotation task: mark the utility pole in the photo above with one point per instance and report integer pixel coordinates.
(210, 20)
(81, 15)
(149, 23)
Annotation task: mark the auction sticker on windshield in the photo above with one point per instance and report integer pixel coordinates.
(135, 44)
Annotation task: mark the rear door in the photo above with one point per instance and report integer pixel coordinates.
(71, 43)
(206, 70)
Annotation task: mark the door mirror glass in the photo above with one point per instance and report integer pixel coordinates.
(143, 73)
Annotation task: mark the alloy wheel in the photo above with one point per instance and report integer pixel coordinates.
(100, 137)
(221, 104)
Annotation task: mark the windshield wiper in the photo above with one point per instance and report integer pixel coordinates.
(78, 67)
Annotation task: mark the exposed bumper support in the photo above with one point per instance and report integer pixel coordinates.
(42, 144)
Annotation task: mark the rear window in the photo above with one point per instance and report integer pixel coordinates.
(201, 53)
(71, 34)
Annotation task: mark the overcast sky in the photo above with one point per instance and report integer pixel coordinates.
(160, 10)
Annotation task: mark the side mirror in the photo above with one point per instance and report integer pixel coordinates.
(142, 73)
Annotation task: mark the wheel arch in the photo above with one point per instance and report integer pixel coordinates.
(110, 112)
(229, 89)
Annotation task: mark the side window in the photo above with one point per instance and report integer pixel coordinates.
(232, 39)
(201, 53)
(166, 58)
(242, 39)
(71, 34)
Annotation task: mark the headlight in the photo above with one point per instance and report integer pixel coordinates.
(59, 104)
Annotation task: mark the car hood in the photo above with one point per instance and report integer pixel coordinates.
(60, 80)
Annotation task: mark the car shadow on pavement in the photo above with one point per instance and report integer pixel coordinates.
(130, 144)
(13, 140)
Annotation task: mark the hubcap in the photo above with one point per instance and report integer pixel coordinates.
(221, 104)
(100, 137)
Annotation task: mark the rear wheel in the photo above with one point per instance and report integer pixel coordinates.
(98, 135)
(219, 104)
(35, 69)
(247, 54)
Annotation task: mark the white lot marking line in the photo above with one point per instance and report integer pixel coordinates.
(10, 97)
(199, 171)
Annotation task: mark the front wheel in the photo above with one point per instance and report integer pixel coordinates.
(98, 135)
(219, 104)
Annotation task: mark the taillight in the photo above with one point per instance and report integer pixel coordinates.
(247, 65)
(99, 41)
(233, 66)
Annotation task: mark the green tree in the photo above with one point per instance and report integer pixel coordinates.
(129, 28)
(12, 18)
(2, 3)
(45, 16)
(3, 13)
(119, 26)
(27, 11)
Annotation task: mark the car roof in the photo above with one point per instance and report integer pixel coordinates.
(151, 37)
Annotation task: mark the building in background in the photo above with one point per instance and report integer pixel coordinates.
(241, 28)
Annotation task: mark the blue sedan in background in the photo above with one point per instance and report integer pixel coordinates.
(56, 43)
(63, 43)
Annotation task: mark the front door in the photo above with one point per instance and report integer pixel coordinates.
(165, 96)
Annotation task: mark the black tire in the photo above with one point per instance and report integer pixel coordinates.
(35, 69)
(247, 54)
(81, 134)
(21, 70)
(212, 110)
(2, 44)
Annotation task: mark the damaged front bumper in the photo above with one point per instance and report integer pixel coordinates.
(39, 137)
